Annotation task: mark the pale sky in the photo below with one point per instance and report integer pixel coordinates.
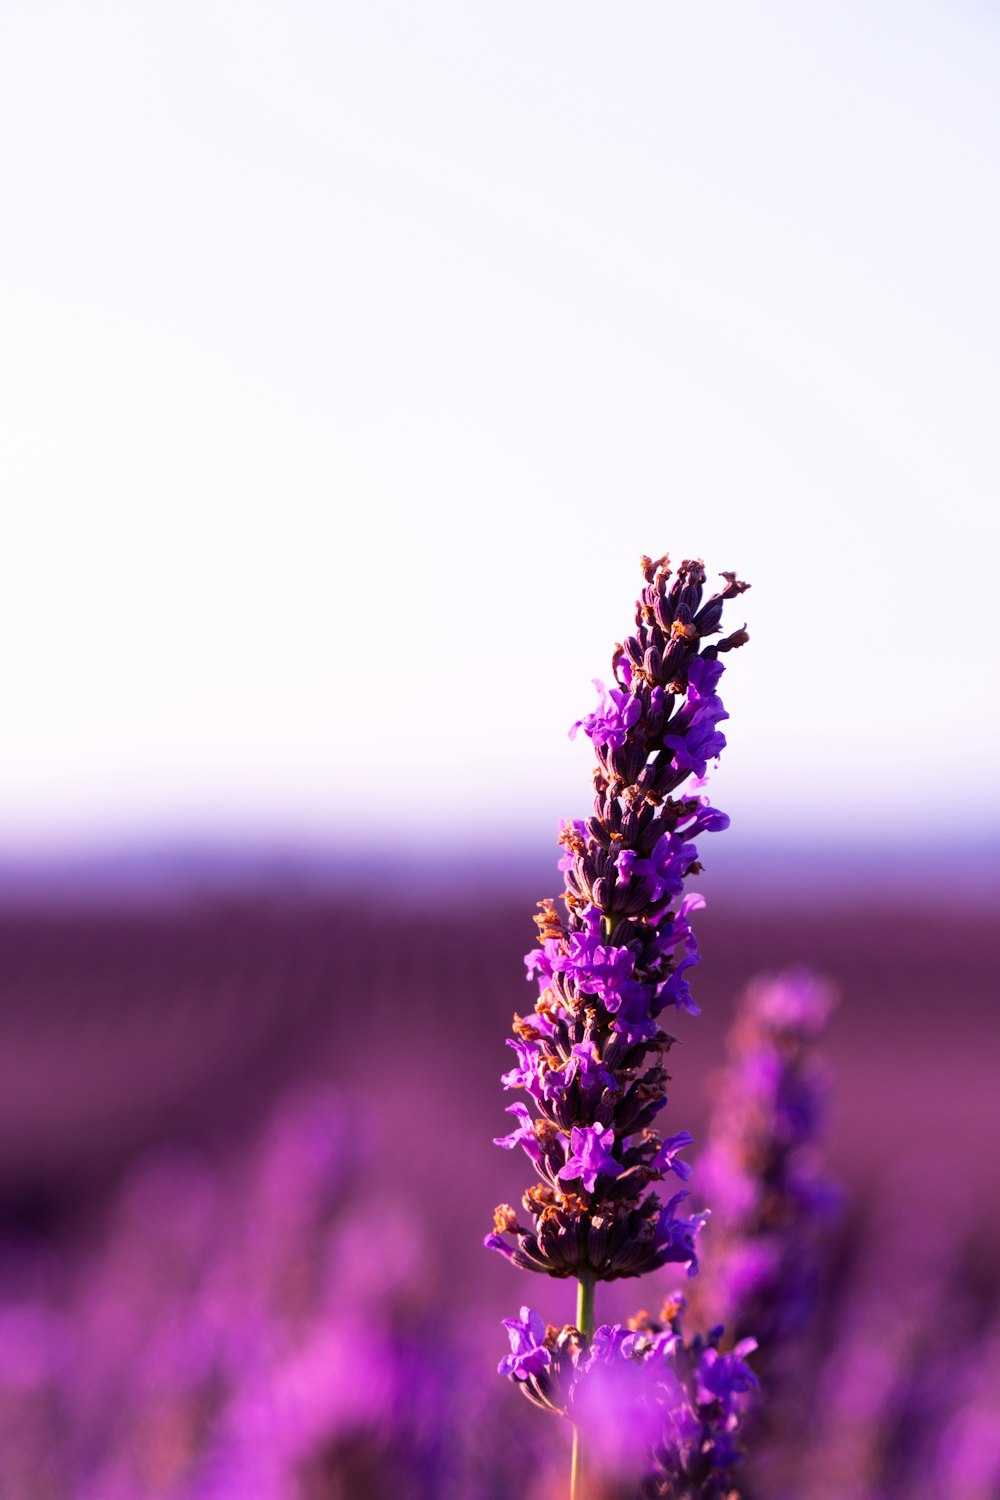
(350, 356)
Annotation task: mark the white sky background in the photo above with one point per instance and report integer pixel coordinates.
(350, 355)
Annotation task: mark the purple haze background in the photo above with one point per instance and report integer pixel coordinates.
(245, 1170)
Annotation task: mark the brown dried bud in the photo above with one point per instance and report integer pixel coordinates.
(538, 1197)
(650, 568)
(673, 1307)
(505, 1219)
(547, 920)
(545, 1005)
(569, 839)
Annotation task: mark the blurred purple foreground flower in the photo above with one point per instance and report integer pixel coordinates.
(643, 1392)
(591, 1056)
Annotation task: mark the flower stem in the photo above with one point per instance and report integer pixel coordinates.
(585, 1323)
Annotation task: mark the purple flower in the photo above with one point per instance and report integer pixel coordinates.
(703, 679)
(528, 1354)
(702, 818)
(726, 1377)
(675, 1237)
(540, 961)
(664, 870)
(665, 1159)
(525, 1134)
(596, 968)
(616, 713)
(676, 929)
(693, 750)
(611, 1342)
(706, 1396)
(525, 1075)
(585, 1067)
(590, 1156)
(676, 991)
(633, 1016)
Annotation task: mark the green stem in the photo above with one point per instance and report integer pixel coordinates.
(585, 1323)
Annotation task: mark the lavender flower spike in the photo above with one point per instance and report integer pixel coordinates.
(591, 1056)
(761, 1171)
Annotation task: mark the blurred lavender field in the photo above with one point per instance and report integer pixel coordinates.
(245, 1170)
